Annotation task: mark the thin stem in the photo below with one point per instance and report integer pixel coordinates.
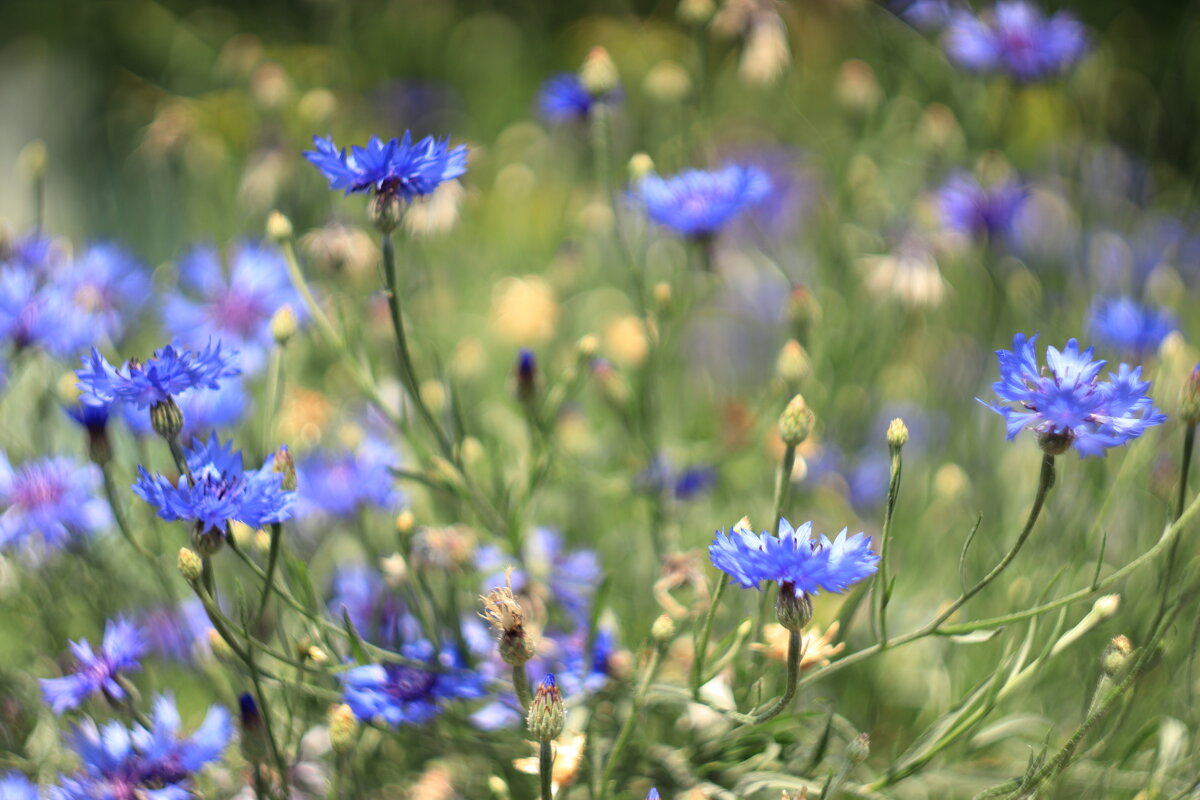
(795, 651)
(1189, 442)
(881, 578)
(546, 770)
(269, 579)
(520, 679)
(783, 485)
(701, 644)
(635, 711)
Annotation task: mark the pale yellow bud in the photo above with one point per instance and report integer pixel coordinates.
(279, 227)
(897, 434)
(283, 325)
(190, 566)
(598, 73)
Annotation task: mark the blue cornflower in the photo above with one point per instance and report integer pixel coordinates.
(697, 203)
(563, 98)
(49, 503)
(156, 763)
(660, 477)
(170, 372)
(219, 490)
(33, 314)
(794, 559)
(1123, 324)
(97, 672)
(978, 211)
(926, 15)
(652, 794)
(398, 167)
(1066, 404)
(375, 610)
(340, 484)
(237, 309)
(108, 284)
(204, 411)
(397, 694)
(178, 632)
(15, 786)
(570, 575)
(1016, 39)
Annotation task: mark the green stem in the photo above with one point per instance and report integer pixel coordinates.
(795, 651)
(1189, 442)
(701, 643)
(635, 711)
(269, 579)
(520, 679)
(546, 770)
(881, 581)
(783, 485)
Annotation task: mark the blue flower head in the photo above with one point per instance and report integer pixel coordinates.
(218, 491)
(1122, 324)
(97, 672)
(652, 794)
(563, 98)
(340, 484)
(49, 503)
(40, 315)
(109, 285)
(698, 203)
(980, 211)
(1066, 404)
(399, 694)
(170, 372)
(204, 410)
(1015, 38)
(795, 559)
(15, 786)
(234, 309)
(155, 762)
(397, 167)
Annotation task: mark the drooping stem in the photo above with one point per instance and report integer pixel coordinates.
(882, 588)
(795, 651)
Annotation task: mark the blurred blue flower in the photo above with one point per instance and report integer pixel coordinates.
(204, 411)
(170, 372)
(155, 763)
(36, 251)
(219, 490)
(794, 559)
(377, 613)
(41, 316)
(109, 285)
(398, 694)
(92, 417)
(1122, 324)
(652, 794)
(398, 166)
(660, 477)
(15, 786)
(97, 672)
(978, 211)
(869, 479)
(235, 309)
(340, 484)
(570, 575)
(1067, 404)
(49, 503)
(926, 15)
(1017, 39)
(563, 98)
(697, 203)
(178, 632)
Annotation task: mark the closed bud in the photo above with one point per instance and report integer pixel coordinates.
(405, 521)
(1106, 606)
(897, 434)
(285, 465)
(1189, 398)
(804, 312)
(316, 655)
(859, 749)
(207, 541)
(279, 227)
(587, 346)
(663, 629)
(598, 73)
(527, 377)
(1116, 656)
(284, 325)
(220, 648)
(640, 165)
(792, 366)
(793, 609)
(32, 159)
(695, 12)
(857, 89)
(190, 566)
(662, 296)
(166, 419)
(547, 714)
(394, 569)
(796, 421)
(1054, 443)
(253, 738)
(343, 728)
(387, 209)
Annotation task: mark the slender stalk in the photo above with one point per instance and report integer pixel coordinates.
(269, 579)
(795, 651)
(701, 644)
(783, 485)
(546, 770)
(520, 679)
(881, 577)
(1189, 443)
(635, 711)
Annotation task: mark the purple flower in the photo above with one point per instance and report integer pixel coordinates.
(1017, 39)
(219, 490)
(49, 503)
(158, 763)
(398, 694)
(33, 314)
(1123, 324)
(1066, 404)
(109, 285)
(660, 477)
(926, 15)
(235, 309)
(563, 98)
(978, 211)
(794, 559)
(340, 484)
(698, 203)
(97, 673)
(170, 372)
(376, 612)
(397, 166)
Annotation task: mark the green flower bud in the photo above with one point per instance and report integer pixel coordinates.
(795, 422)
(207, 541)
(794, 611)
(387, 209)
(547, 715)
(167, 419)
(279, 227)
(859, 749)
(897, 434)
(343, 728)
(1117, 656)
(598, 73)
(663, 629)
(190, 566)
(286, 466)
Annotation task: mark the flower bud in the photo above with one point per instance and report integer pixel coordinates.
(394, 569)
(663, 629)
(166, 419)
(803, 311)
(207, 541)
(795, 422)
(220, 648)
(695, 12)
(317, 655)
(547, 715)
(1055, 444)
(587, 346)
(793, 609)
(859, 749)
(1117, 656)
(387, 209)
(190, 566)
(527, 377)
(253, 738)
(283, 325)
(1189, 398)
(405, 521)
(662, 296)
(285, 465)
(897, 434)
(857, 90)
(32, 159)
(343, 728)
(598, 73)
(1106, 606)
(640, 165)
(792, 365)
(279, 227)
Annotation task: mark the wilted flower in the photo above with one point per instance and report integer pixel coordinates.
(698, 203)
(1066, 404)
(817, 647)
(794, 559)
(1123, 324)
(397, 167)
(97, 672)
(1017, 39)
(49, 503)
